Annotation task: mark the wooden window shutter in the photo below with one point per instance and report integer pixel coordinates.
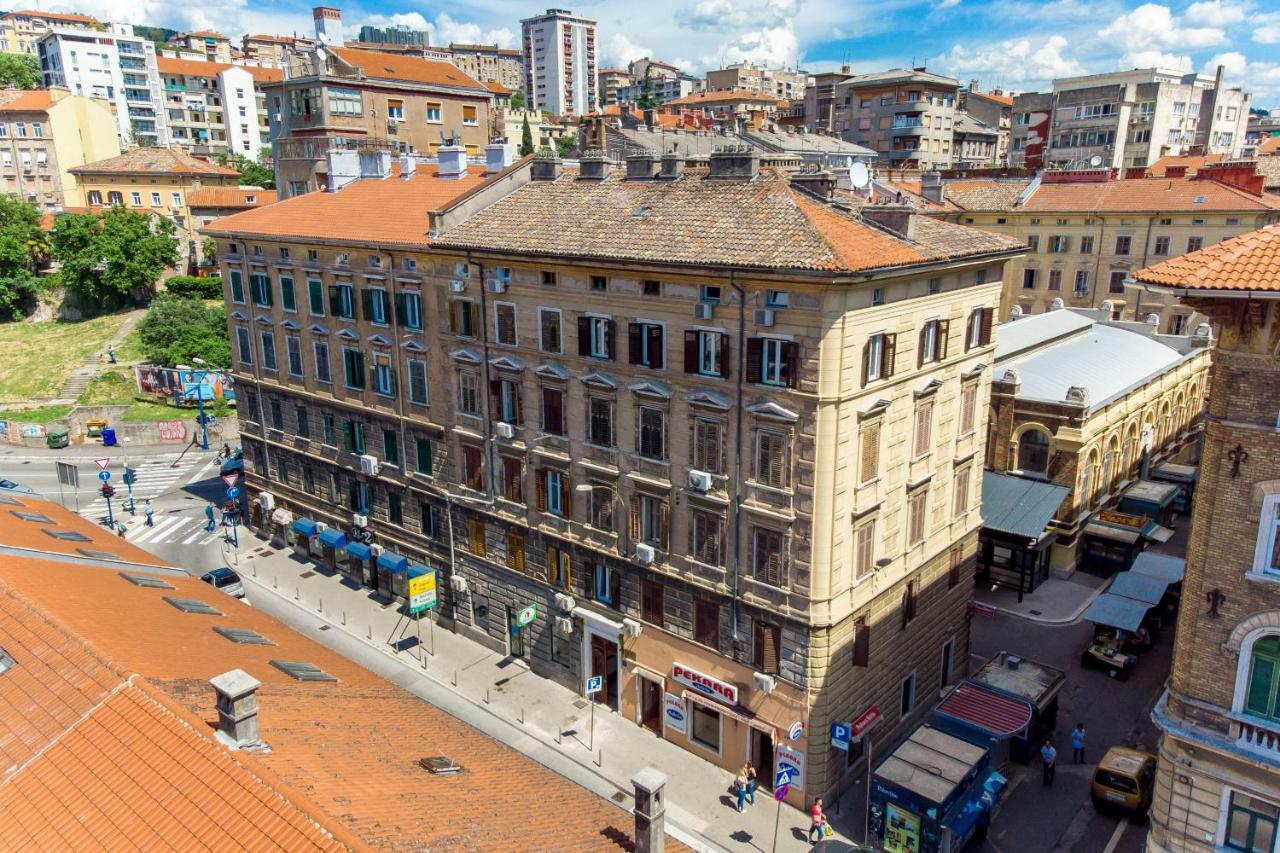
(541, 490)
(335, 301)
(634, 518)
(944, 336)
(477, 537)
(920, 353)
(518, 399)
(664, 521)
(722, 344)
(755, 358)
(791, 363)
(767, 641)
(657, 351)
(553, 565)
(495, 399)
(610, 340)
(690, 351)
(635, 344)
(861, 642)
(985, 335)
(474, 310)
(866, 362)
(890, 354)
(366, 304)
(615, 588)
(584, 336)
(566, 495)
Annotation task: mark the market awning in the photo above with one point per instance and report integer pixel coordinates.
(1018, 505)
(1157, 533)
(1149, 493)
(1175, 472)
(1139, 587)
(417, 570)
(1001, 716)
(305, 526)
(1127, 535)
(1117, 611)
(1162, 566)
(333, 538)
(358, 550)
(391, 561)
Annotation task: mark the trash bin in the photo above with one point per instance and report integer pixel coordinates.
(93, 428)
(108, 437)
(58, 438)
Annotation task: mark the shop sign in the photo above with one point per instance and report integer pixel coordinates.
(713, 687)
(797, 729)
(791, 760)
(673, 711)
(422, 593)
(864, 721)
(527, 615)
(1121, 519)
(901, 830)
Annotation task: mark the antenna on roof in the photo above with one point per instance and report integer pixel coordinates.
(859, 175)
(1095, 161)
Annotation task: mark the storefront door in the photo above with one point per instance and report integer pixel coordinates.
(762, 756)
(650, 704)
(604, 662)
(515, 634)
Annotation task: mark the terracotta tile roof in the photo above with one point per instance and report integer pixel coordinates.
(390, 211)
(984, 195)
(999, 99)
(1270, 145)
(1248, 262)
(52, 16)
(19, 533)
(48, 218)
(412, 69)
(496, 88)
(205, 34)
(763, 223)
(1192, 163)
(230, 197)
(24, 100)
(730, 96)
(276, 39)
(1144, 194)
(199, 68)
(909, 188)
(159, 161)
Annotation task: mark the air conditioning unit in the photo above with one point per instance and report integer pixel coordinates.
(565, 602)
(497, 285)
(461, 270)
(699, 481)
(458, 584)
(267, 501)
(277, 117)
(631, 628)
(321, 527)
(704, 311)
(764, 317)
(368, 464)
(361, 521)
(764, 683)
(504, 430)
(564, 626)
(375, 550)
(457, 285)
(644, 553)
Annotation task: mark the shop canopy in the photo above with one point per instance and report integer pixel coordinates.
(931, 765)
(1117, 611)
(305, 526)
(1127, 535)
(391, 561)
(1175, 472)
(999, 715)
(1149, 494)
(1139, 587)
(417, 570)
(1161, 566)
(358, 550)
(1018, 505)
(333, 538)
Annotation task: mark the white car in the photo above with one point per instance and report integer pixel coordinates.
(224, 580)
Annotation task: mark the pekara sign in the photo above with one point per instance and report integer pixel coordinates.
(705, 684)
(673, 711)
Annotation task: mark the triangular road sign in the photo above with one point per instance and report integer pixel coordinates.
(230, 480)
(103, 463)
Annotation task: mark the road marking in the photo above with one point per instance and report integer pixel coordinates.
(161, 529)
(198, 475)
(1115, 836)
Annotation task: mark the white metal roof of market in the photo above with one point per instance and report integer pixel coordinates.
(1057, 350)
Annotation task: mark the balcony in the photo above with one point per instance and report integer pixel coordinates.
(1258, 736)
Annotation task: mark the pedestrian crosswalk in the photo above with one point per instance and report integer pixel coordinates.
(172, 530)
(154, 478)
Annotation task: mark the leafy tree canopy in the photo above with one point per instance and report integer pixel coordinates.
(517, 100)
(253, 174)
(566, 144)
(23, 246)
(19, 71)
(105, 257)
(526, 139)
(178, 329)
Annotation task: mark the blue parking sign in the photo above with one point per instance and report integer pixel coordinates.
(840, 735)
(595, 684)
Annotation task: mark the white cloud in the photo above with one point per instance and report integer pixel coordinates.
(1215, 13)
(1016, 63)
(1266, 28)
(1236, 64)
(1154, 59)
(621, 51)
(1153, 27)
(946, 4)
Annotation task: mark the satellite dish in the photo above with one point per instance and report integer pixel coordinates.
(323, 38)
(859, 175)
(1095, 161)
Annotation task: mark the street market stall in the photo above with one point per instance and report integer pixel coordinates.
(1184, 477)
(1120, 634)
(1150, 499)
(1035, 682)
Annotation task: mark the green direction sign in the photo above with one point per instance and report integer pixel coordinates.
(527, 615)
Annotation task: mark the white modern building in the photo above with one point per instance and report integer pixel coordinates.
(560, 62)
(113, 64)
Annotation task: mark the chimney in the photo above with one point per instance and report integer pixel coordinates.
(344, 167)
(817, 181)
(546, 166)
(593, 165)
(1202, 336)
(1175, 171)
(328, 22)
(650, 811)
(453, 161)
(846, 68)
(898, 218)
(375, 164)
(931, 187)
(498, 156)
(734, 163)
(649, 117)
(237, 697)
(408, 166)
(672, 167)
(640, 166)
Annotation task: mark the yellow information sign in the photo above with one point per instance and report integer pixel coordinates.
(422, 592)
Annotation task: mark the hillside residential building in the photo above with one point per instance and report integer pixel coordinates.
(820, 99)
(735, 109)
(489, 63)
(218, 106)
(213, 47)
(610, 81)
(114, 65)
(394, 34)
(906, 117)
(643, 435)
(559, 51)
(1218, 783)
(43, 134)
(782, 83)
(663, 90)
(274, 51)
(995, 110)
(21, 30)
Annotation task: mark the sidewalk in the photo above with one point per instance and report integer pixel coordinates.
(1054, 602)
(503, 697)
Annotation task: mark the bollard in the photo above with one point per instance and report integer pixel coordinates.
(424, 662)
(486, 696)
(255, 570)
(455, 678)
(522, 715)
(559, 735)
(275, 581)
(600, 763)
(322, 607)
(370, 634)
(297, 593)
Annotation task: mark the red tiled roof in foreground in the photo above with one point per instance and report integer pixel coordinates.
(1248, 262)
(979, 706)
(25, 100)
(230, 197)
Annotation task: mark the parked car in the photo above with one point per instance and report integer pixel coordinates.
(1124, 781)
(233, 464)
(224, 580)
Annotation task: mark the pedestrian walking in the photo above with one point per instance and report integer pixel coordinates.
(120, 528)
(1077, 743)
(740, 788)
(1049, 756)
(208, 514)
(819, 820)
(148, 511)
(111, 354)
(752, 782)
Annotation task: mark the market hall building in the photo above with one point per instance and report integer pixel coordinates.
(724, 435)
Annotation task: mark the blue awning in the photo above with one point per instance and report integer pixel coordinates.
(333, 538)
(1160, 566)
(417, 570)
(392, 562)
(1139, 587)
(1116, 611)
(1018, 505)
(358, 550)
(305, 526)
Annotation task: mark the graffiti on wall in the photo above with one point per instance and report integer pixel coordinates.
(179, 385)
(172, 430)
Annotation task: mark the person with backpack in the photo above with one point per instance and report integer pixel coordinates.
(740, 788)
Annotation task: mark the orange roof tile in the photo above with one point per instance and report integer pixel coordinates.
(24, 100)
(496, 88)
(856, 246)
(412, 69)
(990, 96)
(1190, 162)
(206, 34)
(158, 161)
(725, 97)
(200, 68)
(1248, 262)
(1144, 194)
(52, 16)
(1269, 145)
(230, 197)
(373, 211)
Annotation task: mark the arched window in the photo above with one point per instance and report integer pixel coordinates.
(1033, 452)
(1088, 481)
(1130, 451)
(1262, 690)
(1108, 466)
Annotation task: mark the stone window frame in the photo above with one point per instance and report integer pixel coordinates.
(1264, 507)
(1015, 450)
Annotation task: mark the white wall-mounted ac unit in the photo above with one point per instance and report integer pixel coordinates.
(699, 481)
(361, 521)
(267, 501)
(497, 285)
(704, 311)
(631, 628)
(504, 430)
(764, 317)
(458, 584)
(564, 626)
(764, 683)
(368, 464)
(321, 527)
(644, 553)
(375, 550)
(457, 285)
(565, 602)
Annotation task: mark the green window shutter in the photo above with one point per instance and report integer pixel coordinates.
(348, 437)
(237, 286)
(287, 300)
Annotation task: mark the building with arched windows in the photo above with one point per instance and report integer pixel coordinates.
(1218, 784)
(1088, 403)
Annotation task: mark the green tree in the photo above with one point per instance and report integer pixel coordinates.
(526, 139)
(253, 174)
(23, 247)
(566, 144)
(178, 329)
(646, 101)
(19, 71)
(517, 100)
(105, 257)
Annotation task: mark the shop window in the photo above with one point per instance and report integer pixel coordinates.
(705, 728)
(1252, 824)
(480, 611)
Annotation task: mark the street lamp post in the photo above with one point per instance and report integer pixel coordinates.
(199, 376)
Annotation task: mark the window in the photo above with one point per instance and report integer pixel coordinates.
(553, 411)
(705, 728)
(645, 345)
(244, 346)
(287, 299)
(861, 642)
(473, 468)
(706, 352)
(515, 551)
(606, 585)
(1059, 245)
(342, 102)
(649, 520)
(429, 520)
(600, 511)
(916, 506)
(877, 296)
(559, 567)
(95, 196)
(961, 502)
(1082, 283)
(1262, 692)
(908, 700)
(1123, 244)
(409, 310)
(1252, 824)
(113, 197)
(1195, 244)
(706, 622)
(651, 609)
(321, 352)
(1116, 282)
(424, 462)
(600, 421)
(1033, 242)
(374, 304)
(553, 492)
(261, 287)
(864, 549)
(968, 407)
(304, 422)
(293, 349)
(651, 287)
(708, 445)
(869, 450)
(469, 115)
(504, 323)
(549, 278)
(342, 301)
(353, 436)
(391, 448)
(1029, 279)
(475, 537)
(505, 401)
(417, 381)
(710, 294)
(434, 110)
(1086, 245)
(766, 648)
(933, 341)
(395, 109)
(772, 462)
(315, 297)
(651, 433)
(155, 197)
(268, 351)
(395, 508)
(768, 561)
(978, 332)
(135, 197)
(464, 318)
(595, 337)
(878, 355)
(353, 368)
(1161, 247)
(599, 283)
(549, 337)
(1033, 452)
(468, 393)
(329, 426)
(1266, 558)
(772, 361)
(923, 429)
(1055, 279)
(706, 533)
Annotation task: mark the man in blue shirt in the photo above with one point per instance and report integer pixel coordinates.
(1049, 756)
(1077, 743)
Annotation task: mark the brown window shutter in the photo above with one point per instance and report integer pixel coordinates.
(944, 337)
(714, 531)
(890, 354)
(553, 565)
(566, 498)
(519, 401)
(920, 346)
(755, 357)
(495, 399)
(657, 349)
(866, 362)
(541, 490)
(768, 637)
(987, 315)
(861, 642)
(615, 589)
(584, 336)
(791, 363)
(634, 518)
(664, 520)
(610, 339)
(454, 307)
(474, 310)
(634, 343)
(690, 351)
(723, 345)
(566, 569)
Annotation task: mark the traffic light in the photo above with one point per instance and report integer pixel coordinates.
(129, 475)
(108, 490)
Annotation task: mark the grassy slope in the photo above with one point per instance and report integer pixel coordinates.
(36, 358)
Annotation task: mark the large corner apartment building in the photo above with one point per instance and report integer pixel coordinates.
(738, 472)
(906, 116)
(559, 50)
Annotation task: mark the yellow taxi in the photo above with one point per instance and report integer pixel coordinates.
(1124, 780)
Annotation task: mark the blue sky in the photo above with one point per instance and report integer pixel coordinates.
(1017, 44)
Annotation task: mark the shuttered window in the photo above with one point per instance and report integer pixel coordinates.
(553, 492)
(649, 520)
(515, 551)
(705, 534)
(464, 318)
(651, 601)
(879, 356)
(864, 551)
(600, 421)
(768, 642)
(768, 562)
(505, 402)
(475, 531)
(869, 452)
(961, 502)
(978, 333)
(968, 407)
(651, 433)
(473, 468)
(559, 567)
(772, 361)
(553, 411)
(772, 464)
(916, 505)
(645, 345)
(933, 341)
(909, 599)
(924, 428)
(706, 353)
(513, 479)
(708, 445)
(706, 623)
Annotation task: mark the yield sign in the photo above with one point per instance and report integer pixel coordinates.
(230, 479)
(103, 463)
